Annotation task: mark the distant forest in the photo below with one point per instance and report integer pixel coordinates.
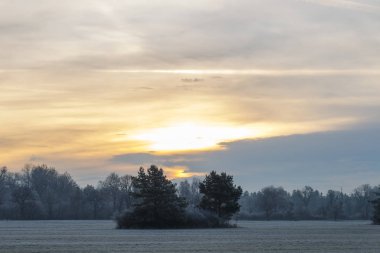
(41, 192)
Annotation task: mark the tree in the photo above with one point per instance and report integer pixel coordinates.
(156, 202)
(306, 194)
(23, 197)
(92, 197)
(376, 207)
(111, 186)
(3, 181)
(273, 200)
(220, 195)
(184, 190)
(362, 197)
(302, 202)
(247, 204)
(195, 193)
(190, 192)
(126, 189)
(334, 204)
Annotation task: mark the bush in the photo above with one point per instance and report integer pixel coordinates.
(193, 218)
(198, 218)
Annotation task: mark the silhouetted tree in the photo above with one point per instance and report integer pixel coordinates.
(334, 204)
(305, 202)
(92, 198)
(220, 195)
(362, 197)
(306, 194)
(76, 203)
(195, 192)
(156, 202)
(273, 200)
(184, 190)
(126, 188)
(3, 182)
(247, 204)
(111, 186)
(190, 192)
(23, 197)
(376, 207)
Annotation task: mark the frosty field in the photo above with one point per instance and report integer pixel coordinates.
(273, 236)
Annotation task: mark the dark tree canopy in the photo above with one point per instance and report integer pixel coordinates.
(334, 205)
(271, 199)
(157, 204)
(220, 195)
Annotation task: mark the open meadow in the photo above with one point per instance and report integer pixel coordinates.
(250, 236)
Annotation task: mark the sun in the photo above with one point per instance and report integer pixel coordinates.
(192, 136)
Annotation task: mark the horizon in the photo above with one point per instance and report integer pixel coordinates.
(96, 182)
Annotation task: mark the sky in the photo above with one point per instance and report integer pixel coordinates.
(274, 92)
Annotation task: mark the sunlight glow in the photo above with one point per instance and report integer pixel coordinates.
(180, 172)
(192, 136)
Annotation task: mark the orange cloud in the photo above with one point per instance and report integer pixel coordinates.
(181, 172)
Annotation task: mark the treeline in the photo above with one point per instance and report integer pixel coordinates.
(40, 192)
(308, 204)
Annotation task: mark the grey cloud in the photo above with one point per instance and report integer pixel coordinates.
(367, 6)
(267, 34)
(138, 158)
(192, 80)
(146, 158)
(145, 88)
(325, 160)
(36, 158)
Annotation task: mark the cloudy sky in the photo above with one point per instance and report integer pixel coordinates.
(282, 92)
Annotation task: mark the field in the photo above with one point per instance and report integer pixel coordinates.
(274, 236)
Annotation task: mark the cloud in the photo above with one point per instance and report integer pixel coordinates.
(172, 164)
(192, 80)
(90, 114)
(139, 159)
(323, 160)
(346, 4)
(250, 72)
(178, 173)
(78, 77)
(205, 34)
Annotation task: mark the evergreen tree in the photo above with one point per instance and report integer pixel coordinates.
(220, 195)
(156, 202)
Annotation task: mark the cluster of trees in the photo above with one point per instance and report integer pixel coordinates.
(40, 192)
(157, 203)
(307, 203)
